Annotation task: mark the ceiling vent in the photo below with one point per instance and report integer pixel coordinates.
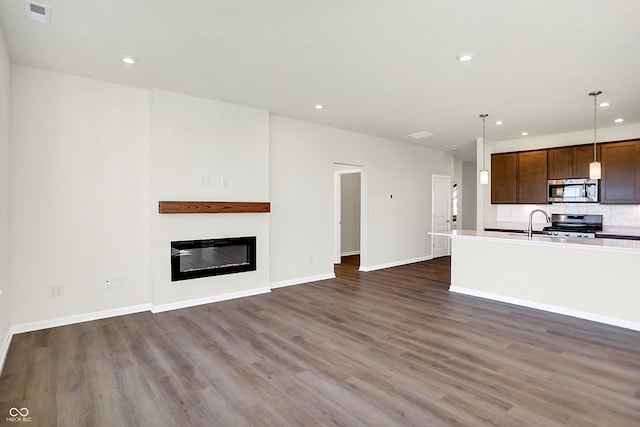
(38, 12)
(420, 135)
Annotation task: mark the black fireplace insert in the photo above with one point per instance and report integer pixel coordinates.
(191, 259)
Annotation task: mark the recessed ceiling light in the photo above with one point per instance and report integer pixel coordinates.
(604, 104)
(620, 120)
(420, 135)
(499, 123)
(318, 106)
(129, 60)
(464, 57)
(524, 133)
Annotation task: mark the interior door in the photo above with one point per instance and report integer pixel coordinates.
(338, 173)
(441, 214)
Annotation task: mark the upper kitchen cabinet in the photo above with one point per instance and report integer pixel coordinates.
(582, 156)
(620, 181)
(519, 177)
(532, 177)
(503, 178)
(560, 163)
(570, 162)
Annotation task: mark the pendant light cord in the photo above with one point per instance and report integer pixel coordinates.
(595, 124)
(484, 117)
(595, 121)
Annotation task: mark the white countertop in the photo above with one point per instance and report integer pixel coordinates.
(616, 245)
(620, 230)
(522, 226)
(514, 226)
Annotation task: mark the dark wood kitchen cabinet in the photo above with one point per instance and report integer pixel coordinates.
(503, 178)
(560, 163)
(532, 177)
(570, 162)
(519, 177)
(582, 156)
(620, 181)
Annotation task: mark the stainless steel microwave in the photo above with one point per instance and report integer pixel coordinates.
(580, 190)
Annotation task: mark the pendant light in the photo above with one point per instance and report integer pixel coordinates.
(484, 173)
(595, 167)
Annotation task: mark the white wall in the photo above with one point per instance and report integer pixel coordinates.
(79, 194)
(5, 98)
(302, 219)
(90, 161)
(485, 211)
(614, 133)
(468, 195)
(350, 210)
(198, 143)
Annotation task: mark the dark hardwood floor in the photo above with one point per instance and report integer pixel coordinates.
(384, 348)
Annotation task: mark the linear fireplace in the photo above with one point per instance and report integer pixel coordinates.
(212, 257)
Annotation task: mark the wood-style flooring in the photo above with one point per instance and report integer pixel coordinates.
(384, 348)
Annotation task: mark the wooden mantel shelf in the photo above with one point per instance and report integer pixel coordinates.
(173, 207)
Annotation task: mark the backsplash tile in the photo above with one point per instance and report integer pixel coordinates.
(557, 208)
(613, 215)
(605, 210)
(625, 216)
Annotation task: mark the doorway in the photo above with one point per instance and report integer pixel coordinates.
(348, 214)
(441, 214)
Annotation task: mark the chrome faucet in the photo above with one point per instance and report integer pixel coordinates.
(530, 230)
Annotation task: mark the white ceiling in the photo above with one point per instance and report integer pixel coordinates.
(385, 68)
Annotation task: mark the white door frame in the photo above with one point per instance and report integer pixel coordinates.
(433, 214)
(338, 212)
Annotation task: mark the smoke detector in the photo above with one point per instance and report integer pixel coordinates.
(38, 12)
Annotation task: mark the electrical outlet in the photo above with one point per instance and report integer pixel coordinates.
(55, 291)
(114, 282)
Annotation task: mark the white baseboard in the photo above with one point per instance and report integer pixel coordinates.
(87, 317)
(350, 253)
(395, 263)
(551, 308)
(4, 350)
(208, 300)
(301, 280)
(69, 320)
(79, 318)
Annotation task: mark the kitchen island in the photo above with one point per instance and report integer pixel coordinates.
(595, 279)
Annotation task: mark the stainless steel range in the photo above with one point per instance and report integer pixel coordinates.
(574, 225)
